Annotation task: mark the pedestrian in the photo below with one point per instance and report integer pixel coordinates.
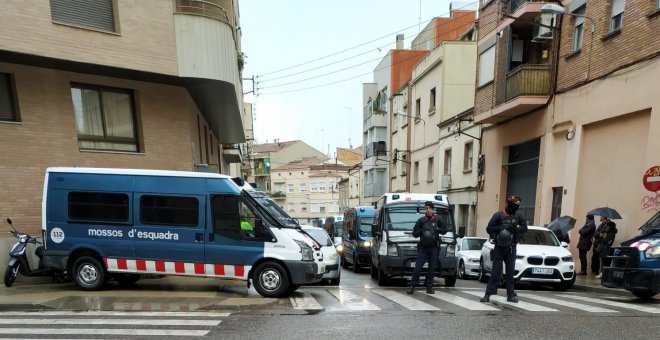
(506, 227)
(584, 243)
(329, 227)
(428, 228)
(599, 237)
(562, 237)
(608, 236)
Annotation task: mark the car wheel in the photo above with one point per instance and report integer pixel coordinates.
(89, 273)
(482, 272)
(461, 269)
(383, 280)
(356, 268)
(374, 271)
(644, 294)
(271, 280)
(450, 280)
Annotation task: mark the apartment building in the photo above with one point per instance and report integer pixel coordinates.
(115, 83)
(269, 156)
(308, 188)
(569, 108)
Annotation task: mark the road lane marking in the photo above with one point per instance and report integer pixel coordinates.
(352, 301)
(580, 306)
(521, 304)
(306, 301)
(633, 306)
(104, 331)
(404, 300)
(462, 302)
(115, 313)
(152, 322)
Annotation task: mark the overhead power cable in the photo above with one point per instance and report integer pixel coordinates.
(356, 46)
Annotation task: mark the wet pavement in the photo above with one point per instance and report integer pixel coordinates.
(167, 294)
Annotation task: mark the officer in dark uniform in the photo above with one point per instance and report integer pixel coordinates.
(429, 223)
(506, 227)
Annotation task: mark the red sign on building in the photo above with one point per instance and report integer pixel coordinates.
(651, 179)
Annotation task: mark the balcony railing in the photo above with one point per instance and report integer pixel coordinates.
(528, 80)
(375, 149)
(216, 9)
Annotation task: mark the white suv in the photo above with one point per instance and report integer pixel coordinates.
(540, 258)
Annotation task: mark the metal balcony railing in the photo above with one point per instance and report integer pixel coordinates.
(528, 80)
(216, 9)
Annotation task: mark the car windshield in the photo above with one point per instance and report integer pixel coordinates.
(365, 226)
(403, 217)
(273, 210)
(474, 244)
(338, 225)
(540, 237)
(320, 236)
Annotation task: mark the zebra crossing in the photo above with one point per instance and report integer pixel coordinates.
(464, 300)
(97, 324)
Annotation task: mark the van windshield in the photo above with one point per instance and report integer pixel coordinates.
(272, 209)
(403, 218)
(365, 226)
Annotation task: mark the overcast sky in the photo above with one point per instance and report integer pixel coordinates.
(283, 38)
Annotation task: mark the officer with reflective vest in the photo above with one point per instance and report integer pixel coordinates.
(506, 227)
(428, 228)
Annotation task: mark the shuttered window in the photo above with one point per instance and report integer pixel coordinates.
(94, 14)
(578, 31)
(8, 111)
(618, 7)
(487, 66)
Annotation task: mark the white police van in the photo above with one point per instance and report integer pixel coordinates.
(119, 223)
(394, 249)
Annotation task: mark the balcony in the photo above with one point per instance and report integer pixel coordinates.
(528, 80)
(215, 9)
(375, 149)
(521, 10)
(278, 195)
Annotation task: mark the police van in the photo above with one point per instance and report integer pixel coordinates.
(100, 224)
(394, 249)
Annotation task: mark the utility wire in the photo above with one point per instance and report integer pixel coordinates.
(356, 46)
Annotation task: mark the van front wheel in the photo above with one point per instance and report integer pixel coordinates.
(88, 273)
(271, 280)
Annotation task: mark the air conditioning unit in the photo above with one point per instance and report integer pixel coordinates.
(445, 182)
(544, 32)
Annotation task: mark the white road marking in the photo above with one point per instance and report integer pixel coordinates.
(306, 302)
(153, 322)
(352, 301)
(115, 313)
(637, 307)
(104, 331)
(404, 300)
(521, 304)
(580, 306)
(462, 302)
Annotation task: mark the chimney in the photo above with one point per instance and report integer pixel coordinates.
(399, 41)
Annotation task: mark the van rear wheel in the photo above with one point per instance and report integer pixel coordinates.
(88, 273)
(271, 280)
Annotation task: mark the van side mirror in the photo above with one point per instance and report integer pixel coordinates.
(461, 232)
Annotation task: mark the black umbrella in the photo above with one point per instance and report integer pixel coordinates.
(561, 225)
(605, 212)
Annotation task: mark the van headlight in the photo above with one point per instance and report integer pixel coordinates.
(392, 250)
(332, 257)
(339, 248)
(306, 251)
(366, 244)
(652, 253)
(451, 251)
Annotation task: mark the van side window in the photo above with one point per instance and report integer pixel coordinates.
(169, 210)
(98, 206)
(234, 219)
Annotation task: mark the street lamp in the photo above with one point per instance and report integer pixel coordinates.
(397, 113)
(556, 9)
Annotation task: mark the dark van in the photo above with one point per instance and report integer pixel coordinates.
(356, 235)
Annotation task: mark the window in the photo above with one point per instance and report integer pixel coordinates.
(578, 31)
(234, 219)
(487, 66)
(94, 14)
(315, 207)
(291, 207)
(429, 170)
(289, 188)
(616, 22)
(447, 170)
(418, 105)
(315, 187)
(104, 118)
(321, 186)
(432, 101)
(657, 4)
(98, 206)
(303, 187)
(279, 187)
(8, 109)
(467, 156)
(416, 173)
(169, 210)
(322, 207)
(303, 207)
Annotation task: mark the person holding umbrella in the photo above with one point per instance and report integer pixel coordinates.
(603, 240)
(584, 243)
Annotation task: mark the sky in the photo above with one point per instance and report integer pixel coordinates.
(289, 45)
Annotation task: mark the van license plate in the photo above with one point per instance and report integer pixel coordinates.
(412, 264)
(542, 271)
(321, 268)
(617, 274)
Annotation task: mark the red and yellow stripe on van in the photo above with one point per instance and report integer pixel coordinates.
(176, 268)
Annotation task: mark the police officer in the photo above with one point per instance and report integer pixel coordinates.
(427, 226)
(506, 227)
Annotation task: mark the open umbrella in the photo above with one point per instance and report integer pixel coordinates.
(561, 225)
(605, 212)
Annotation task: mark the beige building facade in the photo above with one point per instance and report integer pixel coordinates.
(119, 84)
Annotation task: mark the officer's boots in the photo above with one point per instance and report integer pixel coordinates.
(411, 289)
(429, 290)
(486, 298)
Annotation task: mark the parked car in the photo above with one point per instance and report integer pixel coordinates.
(540, 258)
(331, 258)
(468, 253)
(356, 236)
(636, 263)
